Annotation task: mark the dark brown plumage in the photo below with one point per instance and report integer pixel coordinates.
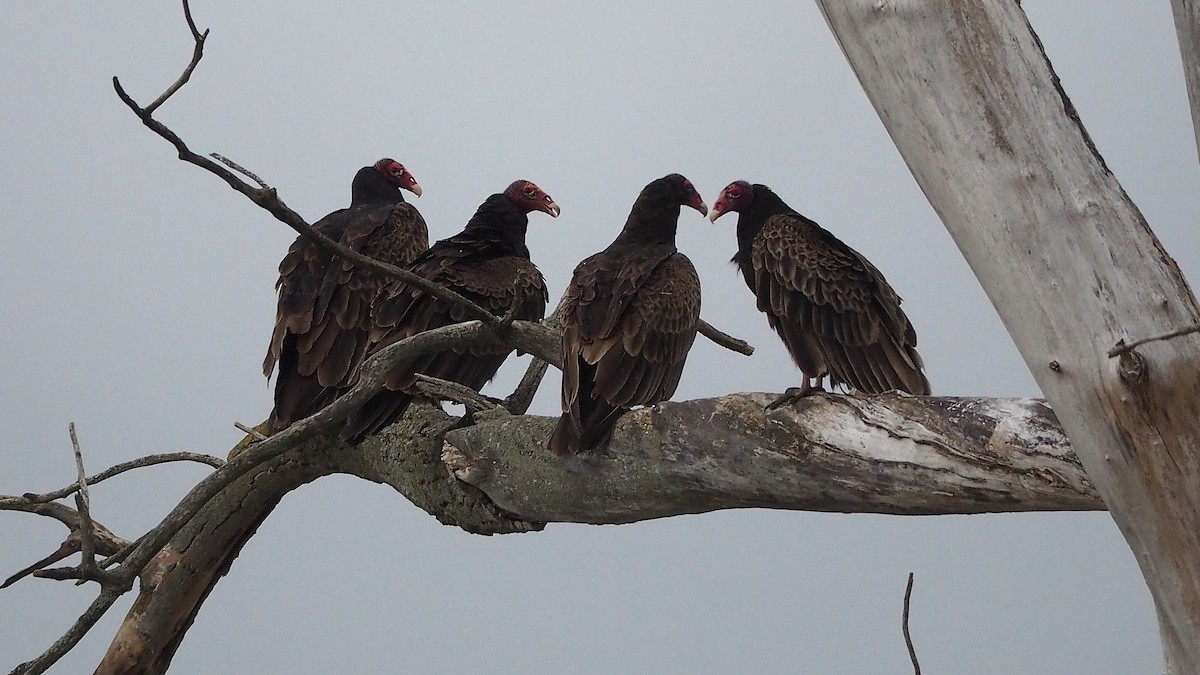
(488, 263)
(323, 316)
(629, 317)
(833, 310)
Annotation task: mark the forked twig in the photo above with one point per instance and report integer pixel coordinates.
(87, 541)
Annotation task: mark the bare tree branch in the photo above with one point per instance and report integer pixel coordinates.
(267, 198)
(529, 337)
(903, 455)
(1122, 348)
(74, 634)
(240, 169)
(197, 54)
(255, 433)
(725, 340)
(912, 652)
(87, 543)
(117, 469)
(453, 391)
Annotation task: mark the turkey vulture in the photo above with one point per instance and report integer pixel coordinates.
(322, 320)
(488, 263)
(629, 317)
(833, 310)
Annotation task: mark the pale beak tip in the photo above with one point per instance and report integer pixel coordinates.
(416, 189)
(553, 209)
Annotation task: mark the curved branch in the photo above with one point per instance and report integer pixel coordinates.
(529, 337)
(266, 197)
(118, 469)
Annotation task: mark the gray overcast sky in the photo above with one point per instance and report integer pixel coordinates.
(138, 302)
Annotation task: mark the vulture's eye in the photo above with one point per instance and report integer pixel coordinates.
(733, 194)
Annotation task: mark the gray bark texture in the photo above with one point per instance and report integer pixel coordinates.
(974, 107)
(881, 454)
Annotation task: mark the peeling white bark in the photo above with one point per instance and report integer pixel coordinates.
(881, 454)
(974, 108)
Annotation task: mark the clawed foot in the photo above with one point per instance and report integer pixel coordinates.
(793, 395)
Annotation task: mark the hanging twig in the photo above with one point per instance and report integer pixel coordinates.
(912, 652)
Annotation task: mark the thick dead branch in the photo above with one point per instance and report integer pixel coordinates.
(529, 337)
(888, 454)
(175, 584)
(885, 454)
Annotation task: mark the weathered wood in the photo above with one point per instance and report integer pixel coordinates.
(179, 578)
(1187, 28)
(976, 111)
(883, 454)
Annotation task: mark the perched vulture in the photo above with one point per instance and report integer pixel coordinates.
(629, 317)
(489, 264)
(833, 310)
(322, 321)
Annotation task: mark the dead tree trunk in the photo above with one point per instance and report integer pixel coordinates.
(979, 116)
(1187, 27)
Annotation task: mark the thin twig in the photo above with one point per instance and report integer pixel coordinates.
(518, 402)
(67, 642)
(1121, 347)
(912, 652)
(255, 433)
(87, 541)
(117, 469)
(197, 53)
(453, 391)
(70, 546)
(240, 169)
(268, 199)
(725, 340)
